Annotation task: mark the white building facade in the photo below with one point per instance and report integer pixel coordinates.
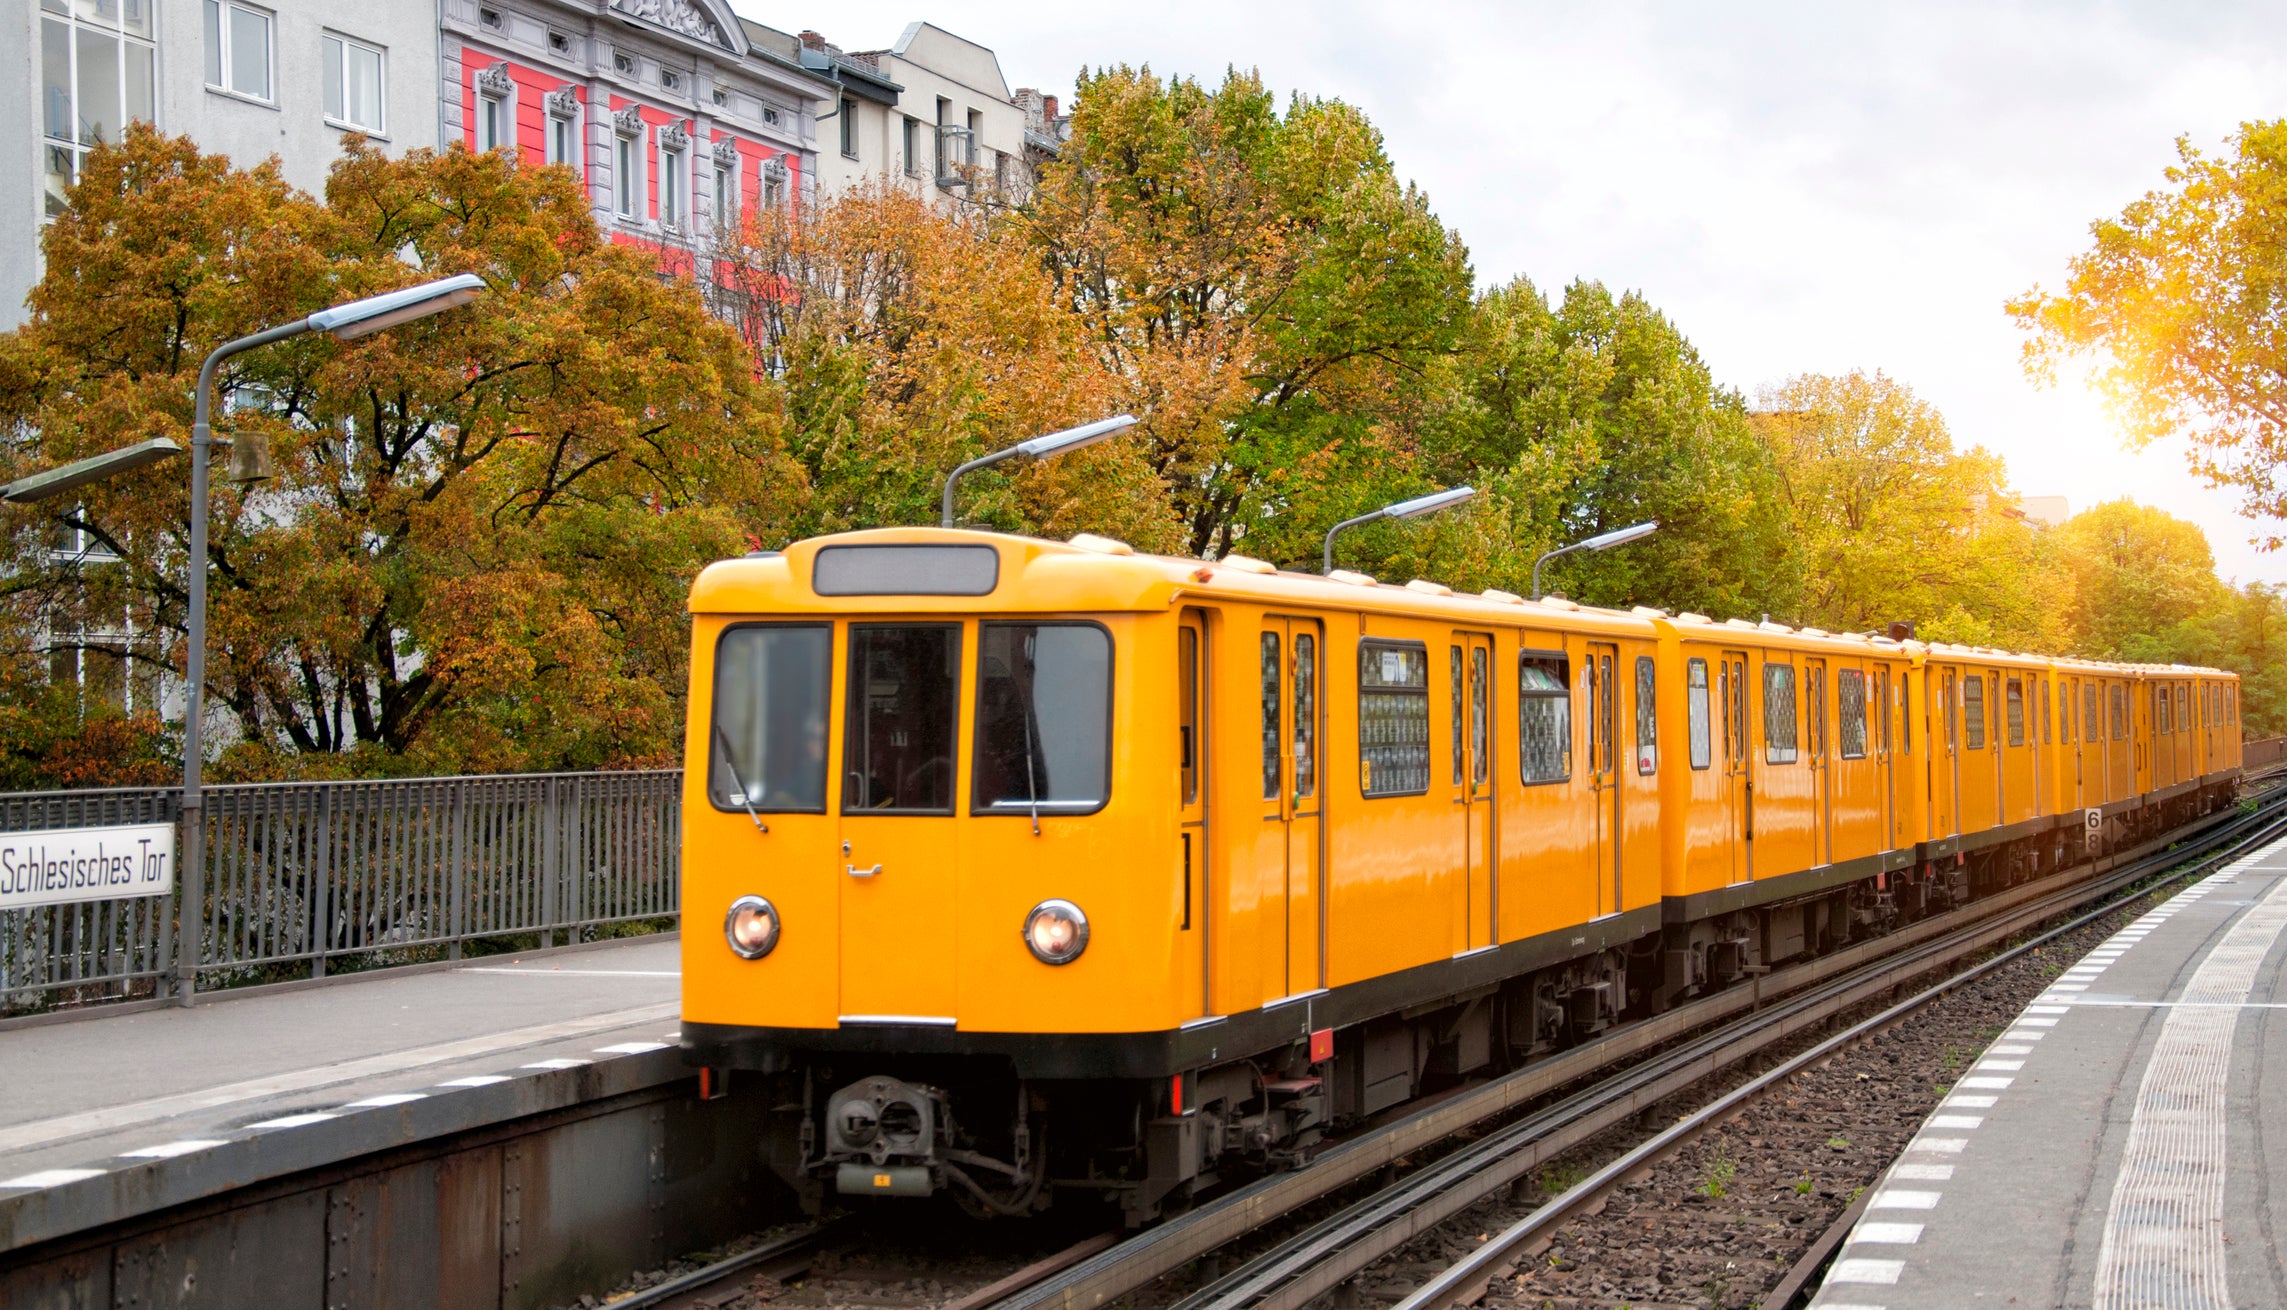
(241, 78)
(952, 130)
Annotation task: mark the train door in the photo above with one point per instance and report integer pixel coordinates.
(1738, 782)
(1471, 659)
(1192, 791)
(900, 728)
(1952, 711)
(1291, 665)
(1883, 755)
(1822, 792)
(1603, 778)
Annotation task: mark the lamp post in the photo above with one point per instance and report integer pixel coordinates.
(1404, 509)
(249, 463)
(1604, 541)
(1043, 447)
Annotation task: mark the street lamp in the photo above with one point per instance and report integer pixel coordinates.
(1404, 509)
(250, 462)
(1605, 541)
(1043, 447)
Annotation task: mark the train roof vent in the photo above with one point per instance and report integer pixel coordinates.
(1688, 617)
(1559, 603)
(1647, 612)
(1504, 597)
(1247, 564)
(1428, 588)
(1094, 544)
(1768, 626)
(1739, 623)
(1816, 632)
(1353, 579)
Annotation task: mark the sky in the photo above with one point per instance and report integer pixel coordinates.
(1799, 187)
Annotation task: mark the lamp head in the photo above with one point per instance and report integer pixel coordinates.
(364, 317)
(1621, 536)
(1070, 439)
(1429, 504)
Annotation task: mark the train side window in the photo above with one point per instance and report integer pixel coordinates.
(1305, 716)
(1544, 719)
(1780, 742)
(1393, 718)
(2014, 691)
(2183, 708)
(1044, 715)
(1647, 720)
(1696, 714)
(2092, 715)
(1973, 712)
(1187, 674)
(769, 729)
(1480, 715)
(1460, 750)
(1273, 723)
(2119, 700)
(1906, 713)
(2159, 710)
(900, 727)
(2045, 738)
(1850, 713)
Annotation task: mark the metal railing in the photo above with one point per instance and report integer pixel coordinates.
(294, 879)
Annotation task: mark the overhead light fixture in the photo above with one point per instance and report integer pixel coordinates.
(1404, 509)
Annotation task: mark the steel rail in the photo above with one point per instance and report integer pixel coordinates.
(1467, 1275)
(1179, 1241)
(798, 1243)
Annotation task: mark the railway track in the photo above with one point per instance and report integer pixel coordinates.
(1665, 1055)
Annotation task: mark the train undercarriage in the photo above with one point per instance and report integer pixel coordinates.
(969, 1127)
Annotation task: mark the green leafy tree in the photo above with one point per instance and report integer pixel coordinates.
(1270, 299)
(476, 551)
(2179, 298)
(1590, 416)
(2142, 581)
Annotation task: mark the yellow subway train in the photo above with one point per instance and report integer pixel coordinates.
(1019, 868)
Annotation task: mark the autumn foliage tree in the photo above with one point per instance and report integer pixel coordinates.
(476, 550)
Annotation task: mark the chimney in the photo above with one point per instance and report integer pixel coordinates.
(1048, 107)
(813, 41)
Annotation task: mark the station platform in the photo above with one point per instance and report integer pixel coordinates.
(2123, 1143)
(104, 1116)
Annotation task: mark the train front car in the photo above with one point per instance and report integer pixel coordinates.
(913, 855)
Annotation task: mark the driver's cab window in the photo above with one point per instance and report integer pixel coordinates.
(899, 723)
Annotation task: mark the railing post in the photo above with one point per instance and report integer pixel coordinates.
(548, 844)
(457, 817)
(322, 873)
(190, 874)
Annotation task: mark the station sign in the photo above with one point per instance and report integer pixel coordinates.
(58, 866)
(2093, 820)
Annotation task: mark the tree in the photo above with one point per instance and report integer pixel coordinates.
(2181, 297)
(905, 340)
(476, 551)
(1265, 293)
(1588, 417)
(2142, 582)
(1891, 521)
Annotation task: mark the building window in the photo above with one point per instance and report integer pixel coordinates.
(491, 122)
(353, 84)
(914, 162)
(238, 49)
(491, 18)
(774, 184)
(559, 43)
(671, 188)
(670, 79)
(564, 139)
(849, 127)
(721, 98)
(623, 63)
(96, 75)
(726, 196)
(623, 176)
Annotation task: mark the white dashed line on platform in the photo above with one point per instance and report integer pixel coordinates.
(169, 1150)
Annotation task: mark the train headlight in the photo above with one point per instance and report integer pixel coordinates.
(751, 927)
(1056, 932)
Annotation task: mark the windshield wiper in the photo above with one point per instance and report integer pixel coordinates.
(1031, 790)
(746, 799)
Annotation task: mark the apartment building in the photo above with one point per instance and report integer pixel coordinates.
(952, 128)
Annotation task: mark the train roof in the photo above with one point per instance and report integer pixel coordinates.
(1035, 575)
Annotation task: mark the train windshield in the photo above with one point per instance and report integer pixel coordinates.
(769, 733)
(1044, 712)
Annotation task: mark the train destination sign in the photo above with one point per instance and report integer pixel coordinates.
(56, 866)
